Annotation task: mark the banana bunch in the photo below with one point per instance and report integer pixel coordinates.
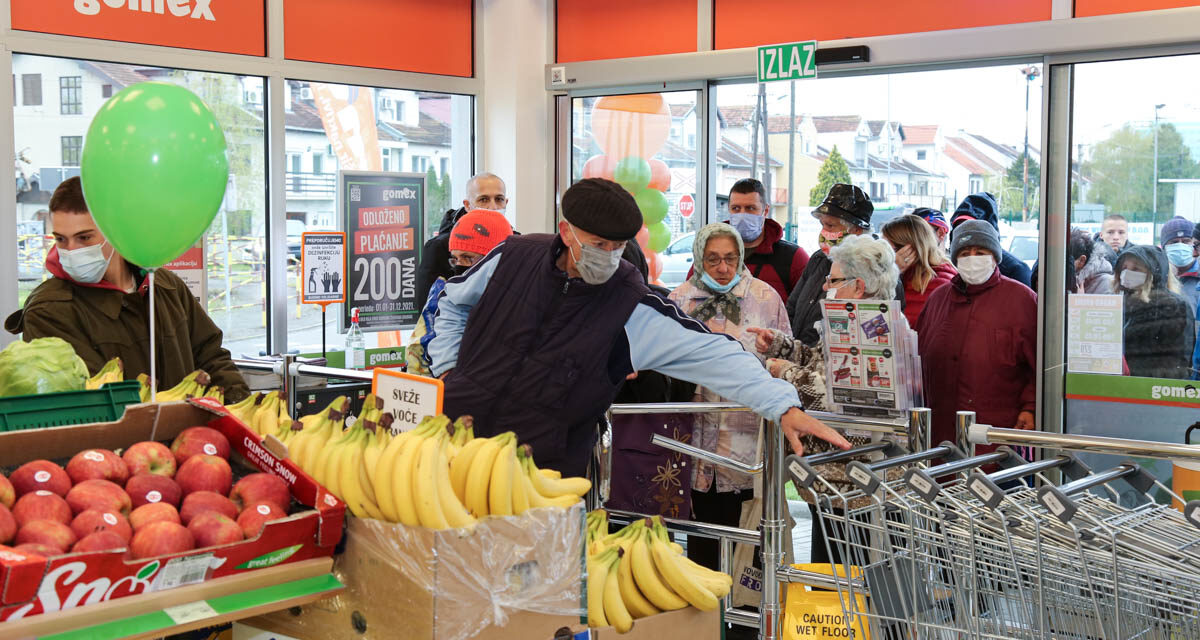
(245, 409)
(193, 386)
(112, 371)
(216, 393)
(315, 432)
(637, 572)
(411, 477)
(342, 465)
(597, 525)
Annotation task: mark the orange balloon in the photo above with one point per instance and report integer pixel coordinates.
(600, 166)
(632, 125)
(643, 236)
(660, 176)
(651, 261)
(658, 266)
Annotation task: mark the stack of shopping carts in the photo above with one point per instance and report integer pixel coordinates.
(966, 547)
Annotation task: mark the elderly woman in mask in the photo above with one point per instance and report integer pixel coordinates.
(723, 295)
(1159, 323)
(863, 268)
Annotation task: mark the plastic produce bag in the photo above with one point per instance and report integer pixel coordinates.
(413, 582)
(45, 365)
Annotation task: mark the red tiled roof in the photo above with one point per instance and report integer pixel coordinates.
(978, 156)
(122, 75)
(779, 124)
(835, 124)
(961, 158)
(920, 133)
(736, 116)
(681, 110)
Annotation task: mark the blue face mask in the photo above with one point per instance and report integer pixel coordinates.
(748, 225)
(1179, 253)
(719, 288)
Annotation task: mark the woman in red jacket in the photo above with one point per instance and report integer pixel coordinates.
(923, 267)
(978, 340)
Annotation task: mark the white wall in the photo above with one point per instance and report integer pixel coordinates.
(515, 115)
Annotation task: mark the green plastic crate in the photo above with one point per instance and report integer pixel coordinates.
(105, 404)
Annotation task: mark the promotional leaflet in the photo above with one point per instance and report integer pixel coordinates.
(1095, 336)
(870, 357)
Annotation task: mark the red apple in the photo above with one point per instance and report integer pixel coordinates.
(48, 532)
(211, 529)
(261, 487)
(40, 475)
(41, 505)
(7, 494)
(98, 464)
(196, 503)
(33, 548)
(8, 525)
(98, 494)
(100, 541)
(204, 473)
(196, 441)
(153, 512)
(147, 488)
(161, 538)
(150, 457)
(256, 516)
(94, 520)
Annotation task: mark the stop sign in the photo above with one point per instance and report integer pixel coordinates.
(687, 206)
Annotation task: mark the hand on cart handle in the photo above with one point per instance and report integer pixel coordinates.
(1025, 421)
(795, 423)
(763, 338)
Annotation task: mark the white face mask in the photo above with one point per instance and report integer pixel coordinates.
(831, 294)
(595, 266)
(1132, 279)
(976, 269)
(86, 264)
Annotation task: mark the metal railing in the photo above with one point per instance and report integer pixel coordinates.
(914, 430)
(985, 434)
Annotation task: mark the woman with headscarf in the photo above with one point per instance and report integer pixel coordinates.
(1159, 324)
(724, 295)
(863, 269)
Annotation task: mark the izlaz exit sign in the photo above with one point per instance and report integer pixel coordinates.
(795, 61)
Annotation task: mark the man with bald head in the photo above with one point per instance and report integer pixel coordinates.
(484, 191)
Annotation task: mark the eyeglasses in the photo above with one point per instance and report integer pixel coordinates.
(832, 281)
(465, 261)
(714, 261)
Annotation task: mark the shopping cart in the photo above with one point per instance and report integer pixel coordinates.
(951, 551)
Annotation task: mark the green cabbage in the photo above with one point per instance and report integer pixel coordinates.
(45, 365)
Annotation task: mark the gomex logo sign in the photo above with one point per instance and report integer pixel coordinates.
(195, 9)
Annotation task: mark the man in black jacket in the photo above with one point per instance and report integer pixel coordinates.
(982, 206)
(484, 191)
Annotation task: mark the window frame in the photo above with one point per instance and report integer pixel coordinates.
(72, 144)
(70, 98)
(31, 88)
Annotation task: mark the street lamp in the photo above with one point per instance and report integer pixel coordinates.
(1154, 205)
(1030, 72)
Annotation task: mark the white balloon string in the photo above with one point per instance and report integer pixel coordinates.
(153, 372)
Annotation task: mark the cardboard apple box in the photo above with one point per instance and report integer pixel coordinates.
(31, 585)
(512, 577)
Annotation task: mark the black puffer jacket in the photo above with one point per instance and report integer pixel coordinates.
(1159, 333)
(435, 255)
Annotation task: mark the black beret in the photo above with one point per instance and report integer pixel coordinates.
(602, 207)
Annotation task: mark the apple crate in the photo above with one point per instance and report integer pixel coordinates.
(31, 585)
(68, 407)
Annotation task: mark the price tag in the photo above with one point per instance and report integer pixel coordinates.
(190, 612)
(180, 572)
(410, 399)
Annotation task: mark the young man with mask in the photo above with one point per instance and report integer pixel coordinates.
(977, 338)
(769, 257)
(484, 191)
(1179, 246)
(538, 336)
(99, 303)
(846, 211)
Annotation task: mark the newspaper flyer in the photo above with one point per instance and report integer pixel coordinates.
(869, 356)
(1095, 339)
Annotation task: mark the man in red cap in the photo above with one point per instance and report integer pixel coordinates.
(474, 235)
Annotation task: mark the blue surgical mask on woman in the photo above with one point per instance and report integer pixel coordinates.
(86, 264)
(716, 286)
(749, 225)
(1179, 253)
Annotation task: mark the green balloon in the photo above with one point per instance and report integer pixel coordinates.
(660, 237)
(653, 205)
(633, 173)
(154, 171)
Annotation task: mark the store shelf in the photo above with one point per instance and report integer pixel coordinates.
(186, 608)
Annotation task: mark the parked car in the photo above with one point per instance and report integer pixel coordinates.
(294, 229)
(677, 261)
(1023, 243)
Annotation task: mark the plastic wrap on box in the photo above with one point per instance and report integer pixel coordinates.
(413, 582)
